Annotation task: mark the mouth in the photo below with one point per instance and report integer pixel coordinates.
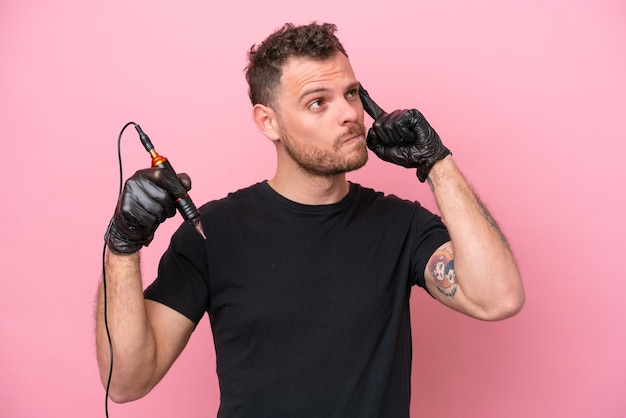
(354, 135)
(357, 138)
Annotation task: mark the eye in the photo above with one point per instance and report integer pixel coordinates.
(316, 104)
(352, 93)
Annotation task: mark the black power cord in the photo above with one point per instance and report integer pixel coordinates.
(104, 280)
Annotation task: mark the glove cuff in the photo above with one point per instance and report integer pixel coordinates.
(120, 244)
(428, 163)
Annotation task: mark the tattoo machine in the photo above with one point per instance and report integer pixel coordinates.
(184, 204)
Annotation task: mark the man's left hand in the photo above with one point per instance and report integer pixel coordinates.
(403, 137)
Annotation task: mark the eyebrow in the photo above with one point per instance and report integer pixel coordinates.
(312, 91)
(354, 85)
(350, 86)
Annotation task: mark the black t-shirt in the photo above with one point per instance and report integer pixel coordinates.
(309, 305)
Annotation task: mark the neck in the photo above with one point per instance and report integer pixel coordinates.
(308, 189)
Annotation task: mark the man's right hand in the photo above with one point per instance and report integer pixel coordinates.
(146, 201)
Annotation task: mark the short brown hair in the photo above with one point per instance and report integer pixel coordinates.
(265, 61)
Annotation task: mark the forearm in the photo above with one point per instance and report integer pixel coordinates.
(487, 274)
(134, 351)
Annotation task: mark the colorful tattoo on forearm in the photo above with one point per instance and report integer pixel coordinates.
(442, 268)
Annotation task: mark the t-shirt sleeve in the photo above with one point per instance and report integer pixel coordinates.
(430, 233)
(182, 279)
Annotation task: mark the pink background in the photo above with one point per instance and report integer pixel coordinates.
(530, 95)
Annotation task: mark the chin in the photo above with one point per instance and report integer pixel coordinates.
(358, 162)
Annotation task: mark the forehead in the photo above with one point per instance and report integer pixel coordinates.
(300, 75)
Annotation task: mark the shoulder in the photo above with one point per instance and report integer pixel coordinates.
(238, 198)
(378, 200)
(396, 212)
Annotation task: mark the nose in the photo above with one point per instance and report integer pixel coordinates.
(350, 111)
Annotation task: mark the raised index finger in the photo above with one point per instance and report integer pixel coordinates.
(370, 105)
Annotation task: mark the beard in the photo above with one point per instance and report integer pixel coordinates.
(328, 162)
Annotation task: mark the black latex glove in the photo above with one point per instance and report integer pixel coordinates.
(403, 137)
(146, 201)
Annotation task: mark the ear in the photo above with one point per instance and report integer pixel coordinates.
(266, 120)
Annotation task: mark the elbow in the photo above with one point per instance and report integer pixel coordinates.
(126, 382)
(123, 391)
(120, 398)
(124, 395)
(506, 306)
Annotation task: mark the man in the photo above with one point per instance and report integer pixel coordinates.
(306, 277)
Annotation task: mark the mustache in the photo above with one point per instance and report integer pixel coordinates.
(353, 130)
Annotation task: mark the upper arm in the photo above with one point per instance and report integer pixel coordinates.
(442, 282)
(493, 298)
(171, 331)
(439, 275)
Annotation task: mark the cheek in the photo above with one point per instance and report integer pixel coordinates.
(293, 124)
(306, 129)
